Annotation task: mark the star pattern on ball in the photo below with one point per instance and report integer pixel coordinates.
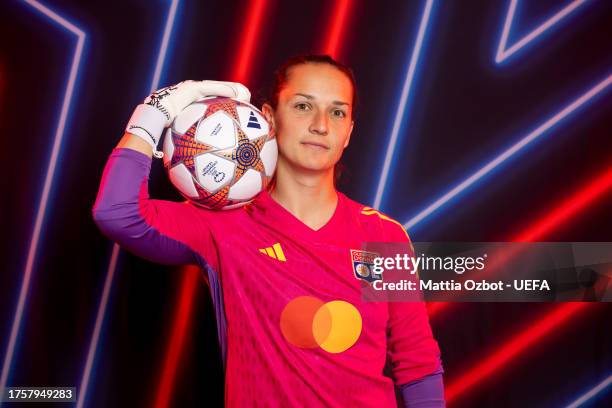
(186, 147)
(214, 200)
(242, 151)
(245, 154)
(226, 105)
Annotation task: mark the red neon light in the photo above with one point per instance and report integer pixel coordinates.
(180, 326)
(336, 29)
(557, 317)
(248, 41)
(513, 347)
(577, 202)
(188, 286)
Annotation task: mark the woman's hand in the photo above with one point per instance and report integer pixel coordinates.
(159, 109)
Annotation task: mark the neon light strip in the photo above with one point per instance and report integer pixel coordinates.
(569, 207)
(338, 24)
(403, 101)
(556, 318)
(519, 343)
(191, 277)
(188, 285)
(512, 348)
(580, 199)
(110, 273)
(48, 184)
(591, 393)
(93, 343)
(247, 41)
(163, 48)
(503, 53)
(187, 288)
(510, 152)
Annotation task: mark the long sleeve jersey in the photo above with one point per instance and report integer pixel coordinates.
(293, 328)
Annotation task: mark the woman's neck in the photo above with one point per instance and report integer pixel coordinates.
(309, 196)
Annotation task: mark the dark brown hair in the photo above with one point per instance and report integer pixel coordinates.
(281, 76)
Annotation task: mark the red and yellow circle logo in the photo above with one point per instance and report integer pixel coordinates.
(308, 322)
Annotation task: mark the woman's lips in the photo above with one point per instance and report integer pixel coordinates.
(315, 145)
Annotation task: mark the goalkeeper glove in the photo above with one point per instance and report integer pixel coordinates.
(161, 107)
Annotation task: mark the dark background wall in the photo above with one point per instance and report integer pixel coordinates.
(464, 109)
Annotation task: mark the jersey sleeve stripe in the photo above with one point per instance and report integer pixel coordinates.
(371, 211)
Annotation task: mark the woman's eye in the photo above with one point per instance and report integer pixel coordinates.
(301, 106)
(339, 113)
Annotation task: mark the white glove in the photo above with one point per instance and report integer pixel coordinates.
(161, 107)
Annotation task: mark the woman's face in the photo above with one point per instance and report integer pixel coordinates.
(312, 120)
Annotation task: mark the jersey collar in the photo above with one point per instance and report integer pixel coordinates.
(288, 223)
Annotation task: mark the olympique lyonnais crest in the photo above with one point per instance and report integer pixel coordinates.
(363, 265)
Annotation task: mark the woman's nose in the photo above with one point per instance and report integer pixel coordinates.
(319, 123)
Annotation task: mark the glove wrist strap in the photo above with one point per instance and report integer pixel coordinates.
(147, 122)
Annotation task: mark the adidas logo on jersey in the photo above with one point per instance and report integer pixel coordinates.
(253, 122)
(275, 251)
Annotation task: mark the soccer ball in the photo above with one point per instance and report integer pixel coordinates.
(219, 152)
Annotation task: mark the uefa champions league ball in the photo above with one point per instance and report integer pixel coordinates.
(219, 152)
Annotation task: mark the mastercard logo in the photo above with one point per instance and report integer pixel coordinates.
(308, 322)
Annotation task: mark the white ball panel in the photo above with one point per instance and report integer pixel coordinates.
(252, 123)
(214, 172)
(168, 147)
(188, 116)
(218, 130)
(268, 155)
(180, 176)
(246, 188)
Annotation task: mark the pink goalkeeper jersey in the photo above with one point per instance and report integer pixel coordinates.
(259, 259)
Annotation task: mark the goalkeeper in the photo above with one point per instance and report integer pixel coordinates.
(271, 261)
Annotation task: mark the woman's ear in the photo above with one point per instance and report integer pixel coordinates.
(346, 143)
(268, 113)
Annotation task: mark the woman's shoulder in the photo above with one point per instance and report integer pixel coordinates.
(215, 216)
(375, 220)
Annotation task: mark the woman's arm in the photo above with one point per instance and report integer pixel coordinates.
(415, 356)
(428, 392)
(161, 231)
(130, 141)
(413, 351)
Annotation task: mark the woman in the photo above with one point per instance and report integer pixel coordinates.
(293, 328)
